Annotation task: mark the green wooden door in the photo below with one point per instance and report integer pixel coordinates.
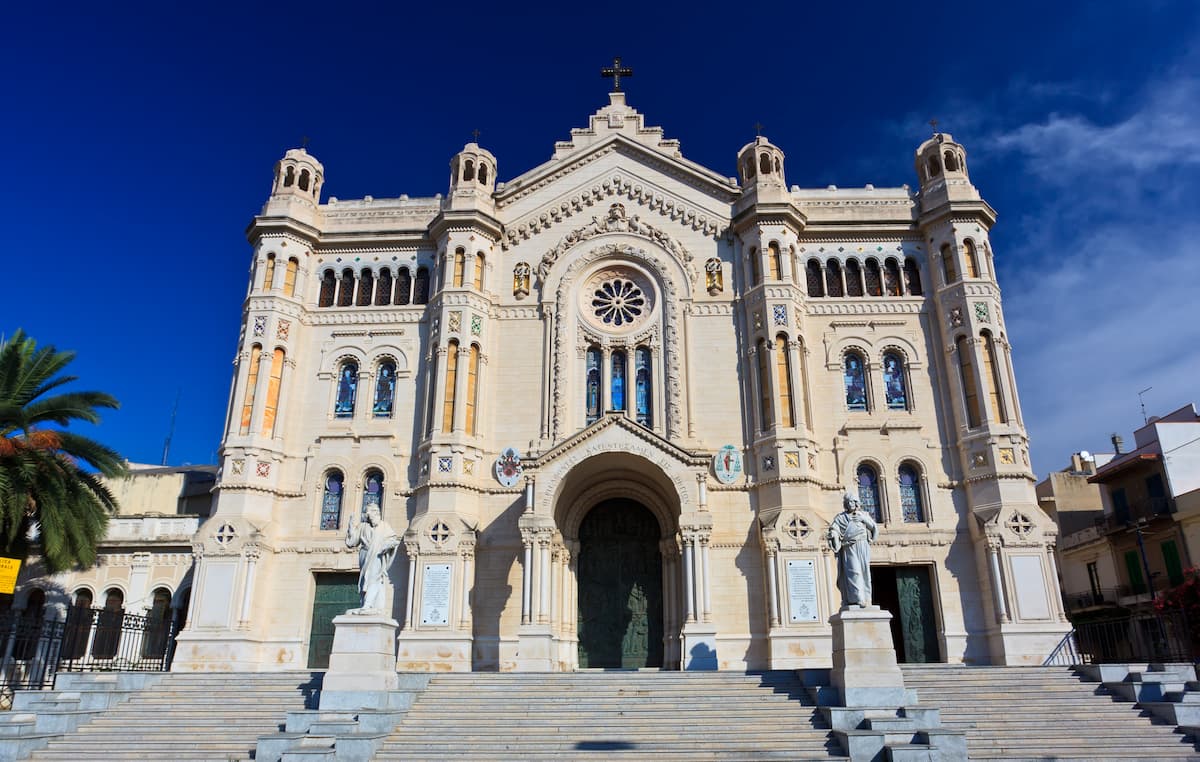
(917, 623)
(335, 594)
(1170, 553)
(1133, 565)
(620, 587)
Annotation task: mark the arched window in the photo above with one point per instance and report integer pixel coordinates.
(78, 625)
(833, 278)
(347, 390)
(592, 390)
(812, 273)
(910, 494)
(251, 385)
(479, 262)
(372, 492)
(421, 286)
(451, 382)
(366, 286)
(158, 623)
(328, 287)
(108, 625)
(873, 278)
(783, 381)
(967, 375)
(855, 380)
(643, 387)
(385, 389)
(755, 267)
(766, 408)
(617, 383)
(331, 500)
(868, 491)
(991, 377)
(289, 277)
(951, 162)
(30, 630)
(269, 273)
(383, 289)
(854, 283)
(289, 177)
(949, 271)
(891, 277)
(912, 276)
(403, 287)
(895, 387)
(483, 173)
(775, 261)
(764, 164)
(346, 288)
(468, 170)
(935, 169)
(460, 264)
(271, 408)
(472, 400)
(972, 258)
(303, 184)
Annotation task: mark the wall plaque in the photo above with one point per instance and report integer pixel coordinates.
(727, 464)
(802, 590)
(435, 594)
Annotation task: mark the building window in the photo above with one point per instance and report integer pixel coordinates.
(833, 278)
(895, 390)
(868, 491)
(618, 302)
(812, 272)
(385, 390)
(289, 277)
(347, 388)
(451, 383)
(966, 374)
(774, 261)
(479, 262)
(991, 377)
(251, 385)
(972, 259)
(873, 278)
(366, 287)
(891, 277)
(856, 381)
(755, 267)
(328, 287)
(618, 380)
(331, 501)
(783, 380)
(1171, 560)
(346, 289)
(949, 271)
(403, 287)
(766, 409)
(79, 625)
(910, 494)
(854, 283)
(269, 273)
(1120, 505)
(421, 286)
(383, 291)
(912, 277)
(108, 626)
(643, 388)
(472, 400)
(372, 492)
(593, 384)
(460, 264)
(273, 386)
(1133, 566)
(158, 622)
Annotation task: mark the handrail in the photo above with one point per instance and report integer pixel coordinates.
(1065, 653)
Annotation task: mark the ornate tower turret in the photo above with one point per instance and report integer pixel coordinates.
(472, 179)
(296, 191)
(760, 168)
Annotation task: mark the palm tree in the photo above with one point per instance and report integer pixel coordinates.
(44, 486)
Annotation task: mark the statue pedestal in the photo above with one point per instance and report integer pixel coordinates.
(865, 672)
(363, 658)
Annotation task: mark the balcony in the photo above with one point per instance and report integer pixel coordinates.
(1091, 599)
(1147, 510)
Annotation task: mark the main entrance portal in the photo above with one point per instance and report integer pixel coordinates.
(620, 587)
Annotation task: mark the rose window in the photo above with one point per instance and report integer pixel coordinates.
(618, 302)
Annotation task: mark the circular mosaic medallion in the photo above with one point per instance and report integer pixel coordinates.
(616, 300)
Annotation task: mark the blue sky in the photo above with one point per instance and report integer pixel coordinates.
(140, 140)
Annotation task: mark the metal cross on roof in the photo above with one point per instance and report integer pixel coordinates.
(758, 128)
(616, 71)
(934, 123)
(475, 134)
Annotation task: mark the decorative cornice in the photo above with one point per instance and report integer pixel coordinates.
(350, 316)
(858, 306)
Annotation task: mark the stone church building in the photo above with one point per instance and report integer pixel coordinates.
(611, 406)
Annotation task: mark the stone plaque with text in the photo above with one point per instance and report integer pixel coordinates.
(435, 594)
(802, 590)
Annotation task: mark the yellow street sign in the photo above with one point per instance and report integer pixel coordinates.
(8, 574)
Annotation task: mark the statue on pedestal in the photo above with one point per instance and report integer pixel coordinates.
(850, 536)
(377, 543)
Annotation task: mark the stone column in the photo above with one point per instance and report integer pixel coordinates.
(689, 611)
(413, 551)
(437, 392)
(527, 582)
(460, 387)
(252, 553)
(543, 581)
(773, 585)
(799, 392)
(706, 578)
(998, 583)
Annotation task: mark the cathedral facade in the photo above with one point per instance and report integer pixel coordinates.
(611, 406)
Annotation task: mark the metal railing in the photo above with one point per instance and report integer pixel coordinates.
(1106, 596)
(1158, 637)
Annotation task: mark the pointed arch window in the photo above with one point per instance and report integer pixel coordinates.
(472, 400)
(912, 276)
(854, 283)
(949, 271)
(966, 373)
(766, 408)
(812, 273)
(991, 377)
(451, 383)
(251, 385)
(775, 260)
(891, 277)
(383, 290)
(346, 288)
(755, 267)
(372, 492)
(833, 278)
(643, 387)
(385, 390)
(592, 391)
(618, 380)
(460, 264)
(868, 491)
(910, 494)
(421, 286)
(874, 278)
(289, 276)
(479, 263)
(331, 500)
(403, 287)
(347, 390)
(783, 381)
(273, 386)
(366, 287)
(972, 258)
(269, 273)
(855, 379)
(895, 385)
(328, 288)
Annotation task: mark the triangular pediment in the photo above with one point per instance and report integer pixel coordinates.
(616, 432)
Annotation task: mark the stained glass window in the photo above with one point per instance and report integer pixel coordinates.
(593, 385)
(856, 382)
(373, 493)
(403, 287)
(868, 491)
(910, 494)
(331, 501)
(421, 286)
(385, 390)
(347, 387)
(618, 302)
(328, 287)
(643, 388)
(618, 380)
(894, 389)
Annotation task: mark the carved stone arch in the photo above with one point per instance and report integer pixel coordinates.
(88, 586)
(344, 354)
(836, 352)
(321, 470)
(901, 346)
(393, 353)
(568, 518)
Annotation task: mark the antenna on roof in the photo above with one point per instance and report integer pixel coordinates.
(1143, 404)
(171, 430)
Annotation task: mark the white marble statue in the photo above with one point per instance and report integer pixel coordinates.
(850, 536)
(376, 542)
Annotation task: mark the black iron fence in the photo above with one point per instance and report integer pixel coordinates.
(88, 640)
(1158, 637)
